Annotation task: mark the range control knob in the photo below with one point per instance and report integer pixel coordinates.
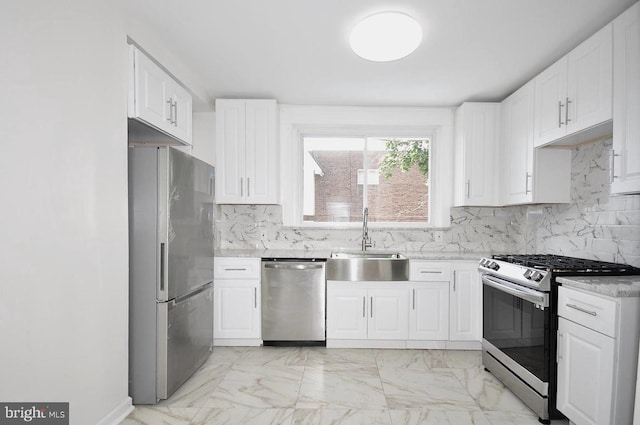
(528, 274)
(494, 266)
(537, 276)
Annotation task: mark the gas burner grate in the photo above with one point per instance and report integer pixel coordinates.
(562, 264)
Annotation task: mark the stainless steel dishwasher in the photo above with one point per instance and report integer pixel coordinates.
(293, 301)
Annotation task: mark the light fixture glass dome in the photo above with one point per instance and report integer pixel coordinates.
(386, 36)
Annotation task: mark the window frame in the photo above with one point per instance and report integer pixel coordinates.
(297, 122)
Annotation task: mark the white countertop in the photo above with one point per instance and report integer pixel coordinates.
(613, 286)
(326, 253)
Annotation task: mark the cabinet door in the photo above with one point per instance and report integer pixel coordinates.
(550, 103)
(236, 309)
(182, 112)
(625, 172)
(346, 311)
(230, 151)
(151, 97)
(476, 147)
(585, 374)
(465, 316)
(429, 311)
(518, 145)
(589, 89)
(261, 152)
(388, 312)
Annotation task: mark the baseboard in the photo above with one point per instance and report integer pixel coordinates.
(366, 343)
(118, 414)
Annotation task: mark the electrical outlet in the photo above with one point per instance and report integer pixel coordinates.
(438, 236)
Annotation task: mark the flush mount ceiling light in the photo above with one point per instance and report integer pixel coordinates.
(386, 36)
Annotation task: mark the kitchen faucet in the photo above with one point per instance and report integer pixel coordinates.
(366, 240)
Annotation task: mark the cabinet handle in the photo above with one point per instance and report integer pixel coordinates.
(559, 348)
(175, 116)
(468, 190)
(235, 270)
(170, 119)
(560, 106)
(430, 272)
(364, 306)
(612, 163)
(371, 307)
(241, 186)
(248, 186)
(566, 112)
(584, 310)
(526, 183)
(255, 297)
(413, 302)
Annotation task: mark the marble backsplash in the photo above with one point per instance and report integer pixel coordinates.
(594, 225)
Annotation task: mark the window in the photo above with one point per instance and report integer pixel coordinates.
(355, 135)
(342, 175)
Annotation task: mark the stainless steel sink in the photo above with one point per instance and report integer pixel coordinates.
(367, 266)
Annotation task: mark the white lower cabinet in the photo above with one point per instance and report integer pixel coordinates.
(367, 310)
(597, 357)
(429, 311)
(237, 317)
(236, 309)
(439, 308)
(465, 314)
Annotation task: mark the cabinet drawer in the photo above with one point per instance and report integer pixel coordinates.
(430, 271)
(236, 268)
(589, 310)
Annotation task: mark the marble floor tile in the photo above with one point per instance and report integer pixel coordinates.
(243, 416)
(463, 359)
(274, 356)
(257, 387)
(341, 417)
(321, 386)
(341, 386)
(143, 415)
(411, 359)
(488, 392)
(436, 390)
(197, 389)
(438, 417)
(511, 418)
(225, 355)
(321, 356)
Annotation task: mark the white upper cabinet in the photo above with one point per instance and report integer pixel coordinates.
(625, 167)
(158, 100)
(528, 174)
(575, 93)
(246, 152)
(477, 132)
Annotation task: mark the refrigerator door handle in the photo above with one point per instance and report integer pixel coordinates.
(162, 266)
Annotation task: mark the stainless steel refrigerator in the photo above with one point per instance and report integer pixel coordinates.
(171, 242)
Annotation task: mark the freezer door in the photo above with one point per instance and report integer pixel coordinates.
(185, 339)
(186, 219)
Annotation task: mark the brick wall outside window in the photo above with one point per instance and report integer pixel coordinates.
(338, 196)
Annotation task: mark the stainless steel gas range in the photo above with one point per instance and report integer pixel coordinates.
(520, 321)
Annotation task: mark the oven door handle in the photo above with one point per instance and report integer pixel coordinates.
(540, 299)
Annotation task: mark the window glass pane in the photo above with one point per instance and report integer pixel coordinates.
(395, 175)
(330, 173)
(402, 193)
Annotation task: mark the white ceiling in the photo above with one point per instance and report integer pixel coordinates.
(297, 51)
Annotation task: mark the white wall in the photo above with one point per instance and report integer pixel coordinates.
(204, 133)
(63, 167)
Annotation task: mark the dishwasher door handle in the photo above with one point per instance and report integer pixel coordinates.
(285, 266)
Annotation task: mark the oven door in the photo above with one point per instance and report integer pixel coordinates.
(516, 324)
